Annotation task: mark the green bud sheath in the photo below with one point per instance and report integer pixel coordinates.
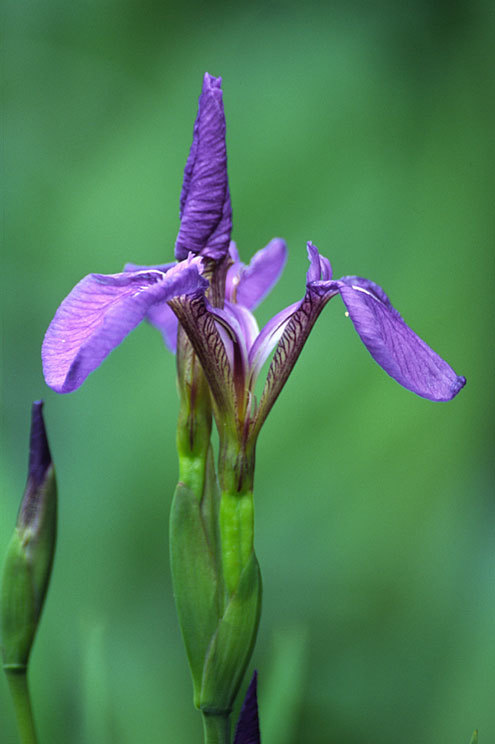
(194, 564)
(30, 553)
(233, 642)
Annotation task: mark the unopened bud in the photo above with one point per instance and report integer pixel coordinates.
(30, 553)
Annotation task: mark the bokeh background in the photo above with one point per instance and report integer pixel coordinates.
(367, 128)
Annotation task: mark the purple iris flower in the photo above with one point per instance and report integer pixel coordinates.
(102, 309)
(232, 350)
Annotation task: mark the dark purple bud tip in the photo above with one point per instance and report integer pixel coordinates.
(248, 727)
(40, 458)
(40, 486)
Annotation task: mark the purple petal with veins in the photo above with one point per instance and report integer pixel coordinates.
(99, 313)
(205, 209)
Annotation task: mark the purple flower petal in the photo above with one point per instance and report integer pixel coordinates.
(248, 728)
(295, 331)
(396, 348)
(160, 315)
(205, 209)
(319, 266)
(268, 338)
(99, 313)
(248, 285)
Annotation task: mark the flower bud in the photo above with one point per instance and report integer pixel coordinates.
(248, 726)
(30, 553)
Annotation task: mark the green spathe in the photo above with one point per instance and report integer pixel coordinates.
(27, 571)
(218, 626)
(195, 574)
(233, 642)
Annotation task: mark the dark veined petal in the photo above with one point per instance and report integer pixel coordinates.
(267, 339)
(238, 329)
(396, 348)
(205, 209)
(193, 312)
(296, 329)
(99, 313)
(248, 728)
(249, 285)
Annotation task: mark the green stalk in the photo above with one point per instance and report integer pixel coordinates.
(19, 688)
(216, 729)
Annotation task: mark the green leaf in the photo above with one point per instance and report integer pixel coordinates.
(474, 738)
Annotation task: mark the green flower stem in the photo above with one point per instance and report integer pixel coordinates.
(236, 517)
(216, 729)
(236, 535)
(18, 683)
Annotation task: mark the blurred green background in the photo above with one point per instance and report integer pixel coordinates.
(367, 128)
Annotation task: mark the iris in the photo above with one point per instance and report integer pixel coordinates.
(212, 294)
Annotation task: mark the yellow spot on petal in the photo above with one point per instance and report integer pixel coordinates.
(346, 313)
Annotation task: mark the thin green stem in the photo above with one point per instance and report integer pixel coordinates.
(216, 728)
(19, 689)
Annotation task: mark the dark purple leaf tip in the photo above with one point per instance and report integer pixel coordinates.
(40, 458)
(248, 727)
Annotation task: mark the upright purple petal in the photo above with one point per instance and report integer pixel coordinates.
(205, 209)
(249, 285)
(396, 348)
(99, 313)
(319, 266)
(248, 726)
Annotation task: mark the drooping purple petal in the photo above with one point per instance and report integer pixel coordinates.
(99, 313)
(160, 315)
(396, 348)
(248, 727)
(249, 285)
(205, 209)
